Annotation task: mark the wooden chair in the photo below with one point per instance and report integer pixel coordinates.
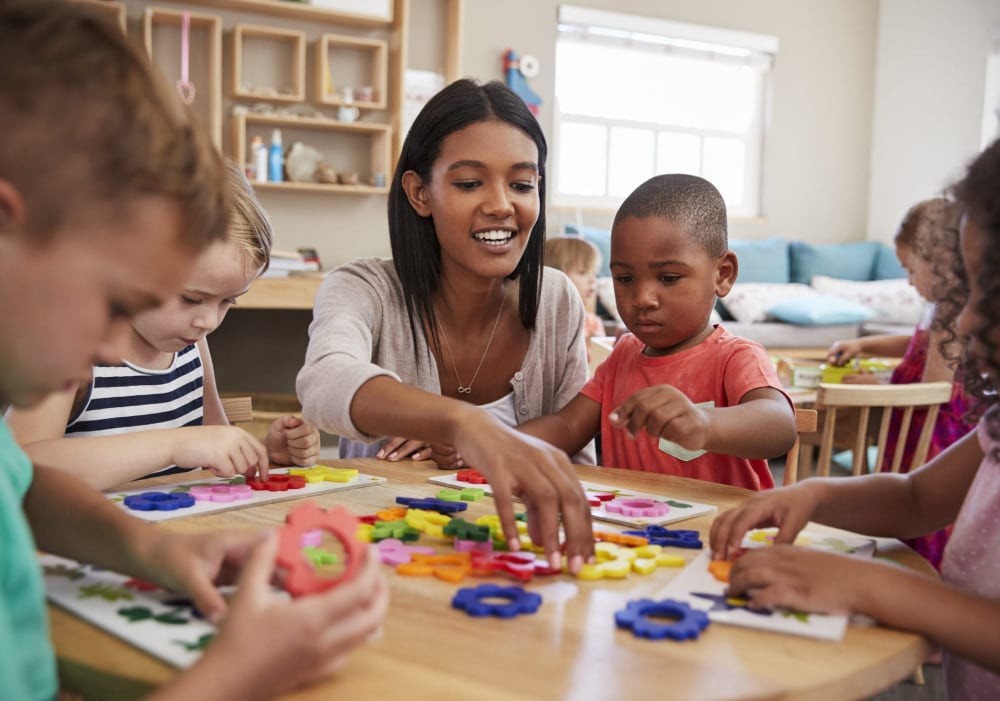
(867, 403)
(806, 421)
(238, 409)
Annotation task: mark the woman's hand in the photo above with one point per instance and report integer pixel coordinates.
(397, 448)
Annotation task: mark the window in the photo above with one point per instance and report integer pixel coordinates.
(637, 96)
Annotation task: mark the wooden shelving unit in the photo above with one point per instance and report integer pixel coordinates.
(300, 11)
(113, 10)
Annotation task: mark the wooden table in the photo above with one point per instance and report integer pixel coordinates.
(570, 649)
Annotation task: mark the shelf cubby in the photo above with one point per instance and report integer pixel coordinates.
(269, 64)
(361, 147)
(345, 61)
(162, 37)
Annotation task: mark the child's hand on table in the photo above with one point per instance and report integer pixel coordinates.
(842, 352)
(292, 441)
(308, 637)
(225, 450)
(801, 579)
(788, 508)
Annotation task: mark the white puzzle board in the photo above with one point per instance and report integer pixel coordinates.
(680, 509)
(695, 578)
(258, 497)
(158, 622)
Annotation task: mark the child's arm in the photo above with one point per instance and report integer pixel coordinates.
(890, 505)
(106, 461)
(761, 426)
(892, 346)
(808, 580)
(311, 635)
(570, 428)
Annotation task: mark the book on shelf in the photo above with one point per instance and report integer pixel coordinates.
(291, 261)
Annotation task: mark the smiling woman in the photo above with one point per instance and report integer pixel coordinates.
(443, 350)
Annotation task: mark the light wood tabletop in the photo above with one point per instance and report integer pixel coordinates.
(570, 649)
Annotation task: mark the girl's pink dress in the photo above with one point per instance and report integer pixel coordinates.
(950, 426)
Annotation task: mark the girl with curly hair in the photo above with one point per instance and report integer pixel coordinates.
(961, 610)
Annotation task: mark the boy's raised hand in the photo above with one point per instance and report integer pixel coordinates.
(225, 450)
(787, 508)
(664, 412)
(292, 441)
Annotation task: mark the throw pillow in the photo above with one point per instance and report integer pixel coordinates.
(820, 310)
(896, 301)
(749, 302)
(761, 261)
(887, 265)
(847, 261)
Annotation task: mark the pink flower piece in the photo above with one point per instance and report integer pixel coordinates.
(638, 507)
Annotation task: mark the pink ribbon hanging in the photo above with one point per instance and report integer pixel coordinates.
(185, 88)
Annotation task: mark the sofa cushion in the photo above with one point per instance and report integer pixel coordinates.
(819, 310)
(750, 301)
(847, 261)
(887, 265)
(600, 238)
(761, 261)
(894, 301)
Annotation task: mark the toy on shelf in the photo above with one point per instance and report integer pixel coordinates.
(516, 72)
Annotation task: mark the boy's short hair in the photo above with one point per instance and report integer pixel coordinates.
(88, 123)
(249, 227)
(691, 202)
(567, 252)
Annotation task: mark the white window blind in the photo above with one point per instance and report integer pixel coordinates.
(637, 96)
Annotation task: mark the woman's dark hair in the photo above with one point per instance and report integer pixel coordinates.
(979, 194)
(415, 250)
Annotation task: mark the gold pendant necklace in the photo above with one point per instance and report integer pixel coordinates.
(467, 389)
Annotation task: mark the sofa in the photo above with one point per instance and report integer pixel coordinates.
(794, 294)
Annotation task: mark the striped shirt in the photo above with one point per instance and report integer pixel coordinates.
(126, 398)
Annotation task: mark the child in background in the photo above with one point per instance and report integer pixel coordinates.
(107, 194)
(161, 407)
(579, 259)
(709, 402)
(960, 611)
(928, 247)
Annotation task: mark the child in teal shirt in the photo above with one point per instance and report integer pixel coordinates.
(107, 194)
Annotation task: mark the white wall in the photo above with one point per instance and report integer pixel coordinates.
(929, 92)
(816, 155)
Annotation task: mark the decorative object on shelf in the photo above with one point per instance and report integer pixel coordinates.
(259, 152)
(348, 111)
(302, 162)
(185, 88)
(516, 78)
(325, 173)
(276, 159)
(347, 177)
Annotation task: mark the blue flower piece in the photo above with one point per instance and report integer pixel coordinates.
(159, 501)
(637, 616)
(519, 601)
(672, 538)
(432, 504)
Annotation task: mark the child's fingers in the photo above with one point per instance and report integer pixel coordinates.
(254, 580)
(291, 422)
(390, 446)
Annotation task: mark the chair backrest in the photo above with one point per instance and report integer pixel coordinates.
(805, 422)
(238, 409)
(832, 398)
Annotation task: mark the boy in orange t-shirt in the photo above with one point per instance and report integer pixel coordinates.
(678, 395)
